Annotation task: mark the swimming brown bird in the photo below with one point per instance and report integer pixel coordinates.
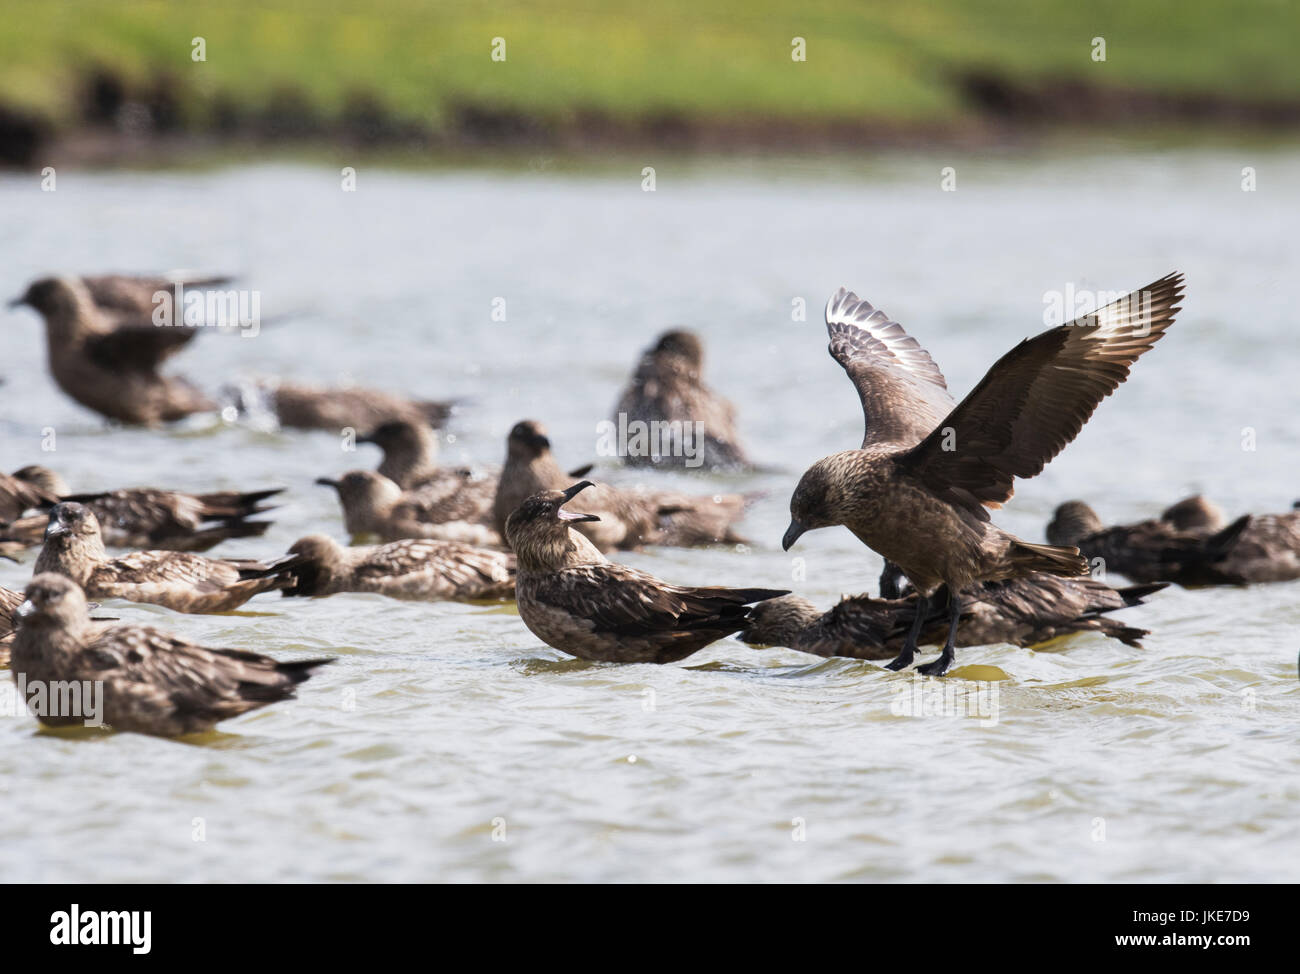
(451, 509)
(1268, 549)
(414, 569)
(1188, 544)
(667, 393)
(146, 517)
(179, 580)
(108, 361)
(300, 405)
(410, 458)
(918, 488)
(1023, 611)
(153, 682)
(628, 519)
(572, 598)
(410, 452)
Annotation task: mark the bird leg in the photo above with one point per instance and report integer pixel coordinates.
(940, 666)
(889, 578)
(904, 658)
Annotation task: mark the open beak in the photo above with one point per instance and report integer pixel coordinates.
(792, 534)
(326, 482)
(569, 495)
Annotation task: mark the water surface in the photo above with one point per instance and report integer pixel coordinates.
(444, 729)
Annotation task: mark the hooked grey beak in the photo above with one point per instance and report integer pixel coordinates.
(577, 489)
(326, 482)
(54, 529)
(569, 495)
(792, 534)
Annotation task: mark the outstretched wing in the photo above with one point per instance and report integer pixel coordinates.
(1037, 397)
(903, 393)
(138, 347)
(135, 294)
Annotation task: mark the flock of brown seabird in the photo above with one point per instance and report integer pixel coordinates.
(917, 491)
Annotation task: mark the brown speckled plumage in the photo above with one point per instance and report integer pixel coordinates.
(454, 508)
(146, 517)
(415, 569)
(628, 518)
(918, 488)
(575, 600)
(18, 496)
(9, 602)
(179, 580)
(107, 359)
(153, 682)
(1023, 611)
(667, 387)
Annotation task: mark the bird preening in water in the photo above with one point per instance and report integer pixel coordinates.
(918, 489)
(574, 599)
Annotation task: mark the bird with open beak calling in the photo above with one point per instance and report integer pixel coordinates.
(576, 600)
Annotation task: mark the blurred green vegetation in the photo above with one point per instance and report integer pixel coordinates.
(892, 61)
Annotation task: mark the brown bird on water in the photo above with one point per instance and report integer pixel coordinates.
(1022, 611)
(300, 405)
(628, 519)
(667, 388)
(153, 682)
(1268, 549)
(572, 598)
(410, 452)
(450, 509)
(1189, 544)
(179, 580)
(918, 488)
(146, 517)
(108, 360)
(417, 569)
(411, 458)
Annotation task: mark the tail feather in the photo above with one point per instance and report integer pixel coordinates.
(1135, 594)
(1053, 559)
(1220, 544)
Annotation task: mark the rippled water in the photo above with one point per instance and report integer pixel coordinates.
(443, 725)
